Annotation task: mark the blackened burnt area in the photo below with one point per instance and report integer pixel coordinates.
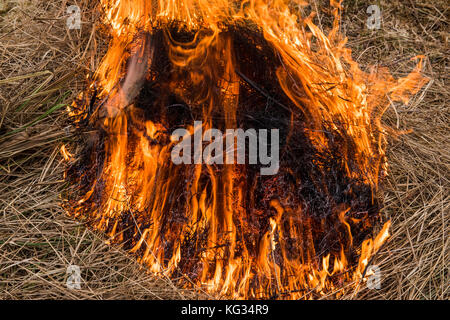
(311, 182)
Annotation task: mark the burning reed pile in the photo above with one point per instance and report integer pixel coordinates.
(227, 228)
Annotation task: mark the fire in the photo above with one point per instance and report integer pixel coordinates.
(66, 154)
(299, 234)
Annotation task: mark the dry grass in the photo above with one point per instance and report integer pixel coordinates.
(42, 66)
(414, 263)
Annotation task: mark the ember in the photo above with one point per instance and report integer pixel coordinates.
(252, 65)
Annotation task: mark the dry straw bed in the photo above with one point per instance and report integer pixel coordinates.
(42, 68)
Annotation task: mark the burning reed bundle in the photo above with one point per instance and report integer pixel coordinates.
(235, 64)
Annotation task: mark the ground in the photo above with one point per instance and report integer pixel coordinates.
(43, 66)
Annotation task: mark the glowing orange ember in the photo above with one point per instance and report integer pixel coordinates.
(302, 233)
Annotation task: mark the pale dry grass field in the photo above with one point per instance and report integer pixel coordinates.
(42, 68)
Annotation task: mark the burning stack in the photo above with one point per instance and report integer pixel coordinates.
(229, 227)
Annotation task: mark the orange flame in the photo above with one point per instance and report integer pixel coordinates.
(66, 154)
(317, 74)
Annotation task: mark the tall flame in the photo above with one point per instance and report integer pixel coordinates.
(136, 193)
